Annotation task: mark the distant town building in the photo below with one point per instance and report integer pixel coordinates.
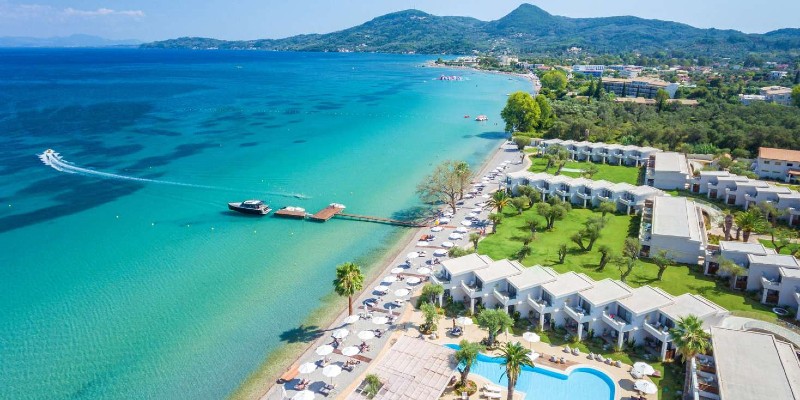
(777, 94)
(774, 75)
(574, 50)
(638, 87)
(748, 99)
(777, 164)
(592, 70)
(507, 60)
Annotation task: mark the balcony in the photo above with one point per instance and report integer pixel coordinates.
(615, 322)
(627, 202)
(661, 334)
(604, 196)
(440, 278)
(562, 192)
(793, 211)
(585, 196)
(577, 314)
(768, 284)
(473, 291)
(504, 297)
(748, 197)
(540, 305)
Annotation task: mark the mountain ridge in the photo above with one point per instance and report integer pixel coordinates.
(527, 29)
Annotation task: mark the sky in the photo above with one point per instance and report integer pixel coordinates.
(148, 20)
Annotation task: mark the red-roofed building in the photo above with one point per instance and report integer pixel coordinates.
(779, 164)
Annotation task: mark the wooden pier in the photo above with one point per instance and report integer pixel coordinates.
(326, 213)
(291, 212)
(380, 220)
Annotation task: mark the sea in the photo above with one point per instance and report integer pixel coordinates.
(123, 274)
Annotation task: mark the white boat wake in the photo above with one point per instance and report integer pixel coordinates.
(56, 161)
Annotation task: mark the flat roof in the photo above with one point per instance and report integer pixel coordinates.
(751, 248)
(532, 277)
(676, 216)
(606, 291)
(671, 162)
(568, 283)
(772, 153)
(498, 270)
(780, 260)
(691, 304)
(470, 262)
(645, 299)
(764, 368)
(413, 369)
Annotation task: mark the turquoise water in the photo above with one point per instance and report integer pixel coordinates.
(115, 288)
(582, 383)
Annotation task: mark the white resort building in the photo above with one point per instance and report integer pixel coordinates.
(599, 152)
(779, 164)
(668, 170)
(675, 225)
(581, 191)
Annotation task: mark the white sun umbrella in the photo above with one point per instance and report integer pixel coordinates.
(424, 270)
(401, 292)
(379, 320)
(477, 209)
(643, 368)
(413, 254)
(531, 337)
(645, 387)
(466, 223)
(448, 244)
(413, 280)
(469, 196)
(534, 355)
(397, 270)
(440, 253)
(390, 279)
(366, 335)
(324, 350)
(351, 319)
(307, 368)
(473, 214)
(422, 243)
(486, 196)
(464, 321)
(436, 229)
(381, 289)
(340, 333)
(455, 236)
(461, 229)
(447, 213)
(350, 351)
(444, 220)
(303, 395)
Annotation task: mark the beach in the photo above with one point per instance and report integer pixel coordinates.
(506, 152)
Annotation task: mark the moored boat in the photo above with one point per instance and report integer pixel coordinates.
(254, 207)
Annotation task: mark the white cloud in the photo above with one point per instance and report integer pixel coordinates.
(100, 12)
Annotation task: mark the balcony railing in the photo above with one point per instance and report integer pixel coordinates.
(615, 322)
(539, 305)
(440, 279)
(503, 296)
(661, 334)
(471, 290)
(768, 284)
(577, 314)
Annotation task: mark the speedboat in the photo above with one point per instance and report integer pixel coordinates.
(255, 207)
(482, 118)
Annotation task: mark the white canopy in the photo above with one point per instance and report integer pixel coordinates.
(366, 335)
(350, 351)
(324, 350)
(350, 319)
(448, 244)
(381, 289)
(534, 355)
(379, 320)
(307, 368)
(645, 387)
(332, 371)
(397, 270)
(464, 321)
(390, 278)
(413, 254)
(444, 220)
(455, 236)
(440, 253)
(340, 333)
(422, 243)
(413, 280)
(531, 337)
(466, 223)
(303, 395)
(477, 209)
(401, 292)
(461, 229)
(436, 229)
(643, 368)
(424, 270)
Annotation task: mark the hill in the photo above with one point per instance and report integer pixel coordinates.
(65, 41)
(528, 29)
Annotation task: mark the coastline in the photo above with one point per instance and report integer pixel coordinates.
(261, 383)
(530, 77)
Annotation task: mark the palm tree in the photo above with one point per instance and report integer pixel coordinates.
(516, 356)
(432, 291)
(524, 252)
(691, 339)
(349, 280)
(499, 200)
(467, 355)
(749, 221)
(474, 238)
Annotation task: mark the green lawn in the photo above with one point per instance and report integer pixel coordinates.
(611, 173)
(677, 279)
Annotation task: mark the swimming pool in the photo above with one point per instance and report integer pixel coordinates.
(582, 383)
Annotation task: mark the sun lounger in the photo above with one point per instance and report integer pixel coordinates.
(492, 388)
(301, 385)
(289, 375)
(493, 395)
(327, 389)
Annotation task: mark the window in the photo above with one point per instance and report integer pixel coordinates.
(777, 163)
(766, 162)
(789, 165)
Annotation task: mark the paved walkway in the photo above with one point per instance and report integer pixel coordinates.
(506, 159)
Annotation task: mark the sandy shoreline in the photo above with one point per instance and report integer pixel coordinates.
(530, 77)
(262, 383)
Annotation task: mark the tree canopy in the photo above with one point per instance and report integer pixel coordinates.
(521, 113)
(446, 184)
(554, 80)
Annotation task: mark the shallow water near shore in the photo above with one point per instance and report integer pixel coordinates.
(113, 287)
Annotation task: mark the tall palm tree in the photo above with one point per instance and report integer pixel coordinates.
(691, 339)
(749, 221)
(516, 356)
(349, 280)
(499, 200)
(467, 355)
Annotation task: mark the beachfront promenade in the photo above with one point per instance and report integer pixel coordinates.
(393, 298)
